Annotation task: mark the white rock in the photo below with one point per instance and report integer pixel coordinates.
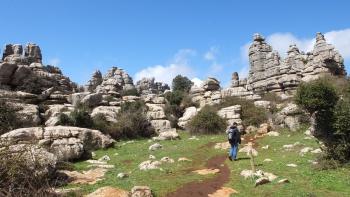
(261, 181)
(155, 146)
(265, 147)
(305, 150)
(317, 151)
(152, 157)
(104, 158)
(273, 133)
(122, 175)
(149, 165)
(167, 160)
(292, 165)
(267, 160)
(283, 181)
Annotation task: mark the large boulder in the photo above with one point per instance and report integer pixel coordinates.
(211, 84)
(161, 125)
(232, 114)
(54, 111)
(6, 72)
(109, 112)
(190, 112)
(67, 143)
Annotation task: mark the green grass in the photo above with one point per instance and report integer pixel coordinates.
(304, 179)
(173, 175)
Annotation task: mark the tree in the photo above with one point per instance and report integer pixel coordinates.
(181, 83)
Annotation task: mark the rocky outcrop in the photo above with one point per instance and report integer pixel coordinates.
(269, 72)
(208, 94)
(149, 86)
(232, 114)
(54, 111)
(190, 112)
(23, 70)
(67, 143)
(114, 82)
(290, 117)
(109, 112)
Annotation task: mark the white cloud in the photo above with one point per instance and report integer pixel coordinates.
(341, 40)
(180, 64)
(211, 54)
(197, 82)
(244, 61)
(54, 61)
(281, 41)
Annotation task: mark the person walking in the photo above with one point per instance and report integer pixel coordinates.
(234, 138)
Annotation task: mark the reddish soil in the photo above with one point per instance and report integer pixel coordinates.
(200, 189)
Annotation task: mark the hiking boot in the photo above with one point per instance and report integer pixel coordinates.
(235, 159)
(229, 158)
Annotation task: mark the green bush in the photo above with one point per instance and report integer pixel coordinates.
(79, 117)
(207, 121)
(9, 120)
(250, 114)
(181, 83)
(130, 92)
(331, 114)
(318, 95)
(131, 122)
(131, 125)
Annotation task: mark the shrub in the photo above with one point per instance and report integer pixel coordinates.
(131, 125)
(79, 117)
(250, 114)
(331, 117)
(207, 121)
(9, 120)
(181, 83)
(130, 92)
(318, 95)
(17, 178)
(131, 122)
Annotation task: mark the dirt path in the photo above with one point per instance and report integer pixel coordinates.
(200, 189)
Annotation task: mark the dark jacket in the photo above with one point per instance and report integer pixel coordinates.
(236, 135)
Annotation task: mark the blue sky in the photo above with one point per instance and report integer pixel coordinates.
(163, 38)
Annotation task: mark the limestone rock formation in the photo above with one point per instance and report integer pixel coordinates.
(23, 70)
(208, 94)
(268, 72)
(149, 86)
(190, 112)
(232, 114)
(67, 143)
(115, 81)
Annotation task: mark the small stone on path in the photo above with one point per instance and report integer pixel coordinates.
(292, 165)
(108, 192)
(223, 192)
(207, 171)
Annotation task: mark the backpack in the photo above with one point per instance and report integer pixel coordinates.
(232, 135)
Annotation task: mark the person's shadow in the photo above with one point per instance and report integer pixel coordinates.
(242, 158)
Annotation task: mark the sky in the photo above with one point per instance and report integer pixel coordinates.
(163, 38)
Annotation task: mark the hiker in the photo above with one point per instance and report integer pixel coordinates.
(234, 138)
